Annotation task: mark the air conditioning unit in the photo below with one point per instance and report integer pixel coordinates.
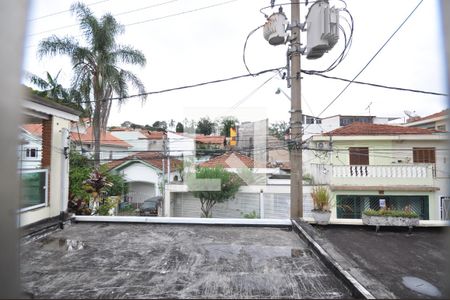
(322, 23)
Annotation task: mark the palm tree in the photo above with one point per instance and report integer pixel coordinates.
(97, 75)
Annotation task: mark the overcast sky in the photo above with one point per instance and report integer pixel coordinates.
(207, 44)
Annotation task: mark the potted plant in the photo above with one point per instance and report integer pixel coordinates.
(388, 217)
(322, 204)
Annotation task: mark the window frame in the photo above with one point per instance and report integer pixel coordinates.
(426, 155)
(355, 154)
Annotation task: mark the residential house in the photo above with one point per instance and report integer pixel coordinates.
(30, 148)
(111, 147)
(145, 174)
(256, 197)
(140, 139)
(44, 185)
(438, 121)
(207, 146)
(363, 163)
(177, 145)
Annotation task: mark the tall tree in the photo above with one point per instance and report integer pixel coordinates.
(226, 123)
(205, 126)
(96, 66)
(159, 126)
(180, 127)
(279, 129)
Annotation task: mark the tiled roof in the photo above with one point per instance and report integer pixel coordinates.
(358, 128)
(229, 160)
(209, 139)
(106, 138)
(153, 135)
(153, 158)
(445, 112)
(34, 129)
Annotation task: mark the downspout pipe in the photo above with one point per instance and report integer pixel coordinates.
(64, 176)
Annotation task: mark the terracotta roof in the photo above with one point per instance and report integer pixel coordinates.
(358, 128)
(153, 158)
(209, 139)
(34, 129)
(229, 160)
(153, 135)
(106, 138)
(445, 112)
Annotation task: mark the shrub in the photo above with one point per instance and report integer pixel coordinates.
(321, 198)
(391, 213)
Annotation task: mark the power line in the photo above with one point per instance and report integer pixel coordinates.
(181, 13)
(144, 21)
(373, 57)
(376, 85)
(62, 11)
(188, 86)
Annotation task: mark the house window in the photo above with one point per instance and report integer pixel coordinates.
(359, 155)
(352, 206)
(34, 189)
(424, 155)
(441, 127)
(31, 152)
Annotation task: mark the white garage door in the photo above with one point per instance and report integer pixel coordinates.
(140, 191)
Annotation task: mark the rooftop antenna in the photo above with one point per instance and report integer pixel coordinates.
(368, 107)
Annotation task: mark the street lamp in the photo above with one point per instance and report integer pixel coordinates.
(278, 91)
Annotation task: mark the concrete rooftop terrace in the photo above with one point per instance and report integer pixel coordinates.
(113, 260)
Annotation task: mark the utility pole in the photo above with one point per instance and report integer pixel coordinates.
(296, 115)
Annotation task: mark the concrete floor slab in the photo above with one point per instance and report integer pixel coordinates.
(394, 257)
(101, 260)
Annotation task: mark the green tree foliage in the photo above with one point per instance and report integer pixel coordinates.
(97, 66)
(80, 171)
(278, 129)
(226, 123)
(159, 126)
(50, 87)
(229, 185)
(205, 126)
(180, 127)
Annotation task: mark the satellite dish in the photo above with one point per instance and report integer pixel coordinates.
(410, 114)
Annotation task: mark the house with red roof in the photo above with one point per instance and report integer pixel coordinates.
(367, 165)
(437, 121)
(146, 173)
(111, 147)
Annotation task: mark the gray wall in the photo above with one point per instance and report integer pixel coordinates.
(276, 206)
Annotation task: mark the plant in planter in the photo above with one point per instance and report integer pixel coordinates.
(388, 217)
(322, 204)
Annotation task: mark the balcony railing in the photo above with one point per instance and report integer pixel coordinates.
(396, 171)
(327, 174)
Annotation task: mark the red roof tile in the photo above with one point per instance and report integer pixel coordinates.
(106, 138)
(445, 112)
(209, 139)
(35, 129)
(153, 158)
(358, 128)
(153, 135)
(229, 160)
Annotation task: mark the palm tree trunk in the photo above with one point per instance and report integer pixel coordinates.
(96, 126)
(97, 131)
